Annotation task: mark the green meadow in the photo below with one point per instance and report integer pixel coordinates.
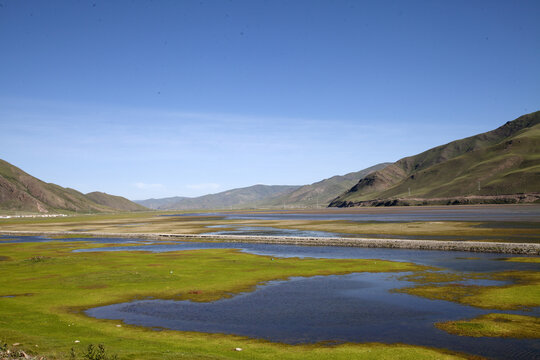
(495, 325)
(44, 288)
(522, 292)
(152, 222)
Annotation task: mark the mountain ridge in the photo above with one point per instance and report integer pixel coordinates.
(269, 196)
(320, 193)
(449, 170)
(20, 191)
(239, 197)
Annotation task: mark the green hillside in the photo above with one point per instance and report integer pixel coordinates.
(115, 202)
(237, 198)
(505, 161)
(266, 196)
(20, 191)
(321, 192)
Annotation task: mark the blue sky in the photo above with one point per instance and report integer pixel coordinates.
(162, 98)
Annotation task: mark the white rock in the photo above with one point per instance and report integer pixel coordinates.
(237, 349)
(77, 341)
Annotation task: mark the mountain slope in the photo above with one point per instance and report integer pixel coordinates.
(115, 202)
(20, 191)
(503, 161)
(321, 192)
(241, 197)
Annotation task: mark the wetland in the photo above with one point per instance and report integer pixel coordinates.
(289, 297)
(170, 298)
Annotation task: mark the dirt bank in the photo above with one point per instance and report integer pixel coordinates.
(475, 246)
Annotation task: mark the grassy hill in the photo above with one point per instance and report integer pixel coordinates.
(321, 192)
(115, 202)
(266, 196)
(20, 191)
(238, 198)
(505, 161)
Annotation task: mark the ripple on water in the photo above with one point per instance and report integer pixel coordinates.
(344, 308)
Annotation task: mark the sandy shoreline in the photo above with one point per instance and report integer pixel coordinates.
(473, 246)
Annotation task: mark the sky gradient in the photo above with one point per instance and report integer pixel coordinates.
(162, 98)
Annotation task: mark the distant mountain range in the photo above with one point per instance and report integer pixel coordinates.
(20, 191)
(236, 198)
(321, 193)
(499, 166)
(502, 165)
(266, 196)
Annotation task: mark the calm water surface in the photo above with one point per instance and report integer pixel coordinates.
(504, 213)
(509, 217)
(451, 260)
(272, 231)
(343, 308)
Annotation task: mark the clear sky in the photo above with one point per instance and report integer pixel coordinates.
(162, 98)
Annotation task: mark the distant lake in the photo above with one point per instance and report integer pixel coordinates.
(403, 214)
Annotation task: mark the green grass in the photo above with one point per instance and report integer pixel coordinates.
(502, 165)
(52, 285)
(535, 260)
(495, 325)
(432, 277)
(523, 292)
(151, 222)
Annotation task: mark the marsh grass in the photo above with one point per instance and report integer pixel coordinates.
(495, 325)
(523, 292)
(535, 260)
(152, 222)
(67, 283)
(432, 277)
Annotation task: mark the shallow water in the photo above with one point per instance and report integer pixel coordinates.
(345, 308)
(452, 260)
(355, 307)
(524, 213)
(272, 231)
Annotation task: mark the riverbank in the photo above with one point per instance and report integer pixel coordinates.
(442, 245)
(46, 288)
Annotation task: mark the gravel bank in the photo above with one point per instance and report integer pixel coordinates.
(475, 246)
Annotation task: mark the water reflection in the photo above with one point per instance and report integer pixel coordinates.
(346, 308)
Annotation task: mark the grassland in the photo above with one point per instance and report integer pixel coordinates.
(45, 286)
(522, 292)
(495, 325)
(50, 285)
(500, 162)
(152, 222)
